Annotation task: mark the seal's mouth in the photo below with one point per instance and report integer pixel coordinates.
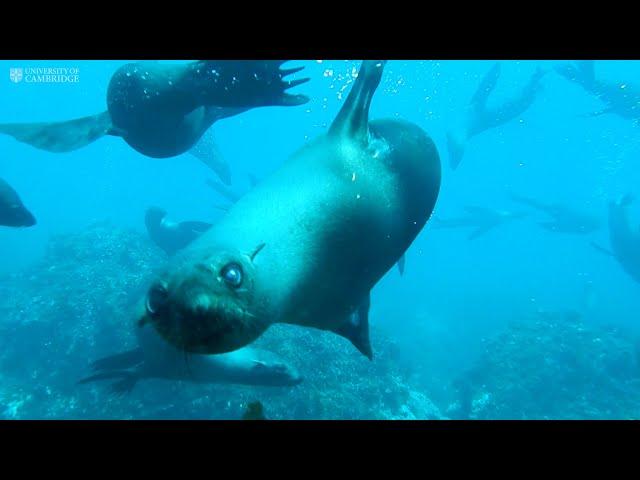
(198, 321)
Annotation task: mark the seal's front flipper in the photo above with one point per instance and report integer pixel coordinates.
(248, 83)
(125, 385)
(601, 249)
(208, 153)
(356, 329)
(401, 263)
(353, 119)
(223, 190)
(59, 137)
(119, 361)
(486, 86)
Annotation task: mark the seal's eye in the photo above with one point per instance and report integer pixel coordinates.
(232, 274)
(156, 298)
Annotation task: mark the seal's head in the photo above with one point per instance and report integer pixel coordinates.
(208, 305)
(154, 216)
(16, 215)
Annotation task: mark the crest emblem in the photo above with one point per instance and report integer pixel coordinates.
(15, 74)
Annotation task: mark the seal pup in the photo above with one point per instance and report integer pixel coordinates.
(309, 242)
(13, 213)
(163, 110)
(624, 240)
(479, 116)
(480, 219)
(171, 236)
(619, 98)
(564, 219)
(155, 359)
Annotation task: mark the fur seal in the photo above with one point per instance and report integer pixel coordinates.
(481, 219)
(309, 242)
(172, 236)
(155, 359)
(564, 219)
(479, 117)
(13, 213)
(620, 99)
(624, 240)
(163, 110)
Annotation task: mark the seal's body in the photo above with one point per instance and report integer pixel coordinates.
(156, 359)
(164, 110)
(13, 213)
(307, 244)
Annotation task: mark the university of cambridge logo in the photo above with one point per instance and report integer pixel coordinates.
(15, 74)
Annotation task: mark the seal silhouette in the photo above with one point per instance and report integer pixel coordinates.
(163, 110)
(309, 242)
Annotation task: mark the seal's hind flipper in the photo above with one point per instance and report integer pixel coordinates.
(356, 329)
(59, 137)
(207, 151)
(353, 118)
(120, 360)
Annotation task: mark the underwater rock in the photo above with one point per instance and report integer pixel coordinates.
(552, 366)
(75, 306)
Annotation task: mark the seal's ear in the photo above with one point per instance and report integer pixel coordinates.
(256, 251)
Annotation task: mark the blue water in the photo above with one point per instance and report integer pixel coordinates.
(455, 293)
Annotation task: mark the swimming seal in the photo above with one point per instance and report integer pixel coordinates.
(155, 359)
(171, 236)
(481, 219)
(163, 110)
(479, 116)
(624, 239)
(564, 219)
(619, 98)
(13, 213)
(308, 243)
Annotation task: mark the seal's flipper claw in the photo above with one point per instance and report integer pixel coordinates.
(295, 83)
(289, 71)
(59, 137)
